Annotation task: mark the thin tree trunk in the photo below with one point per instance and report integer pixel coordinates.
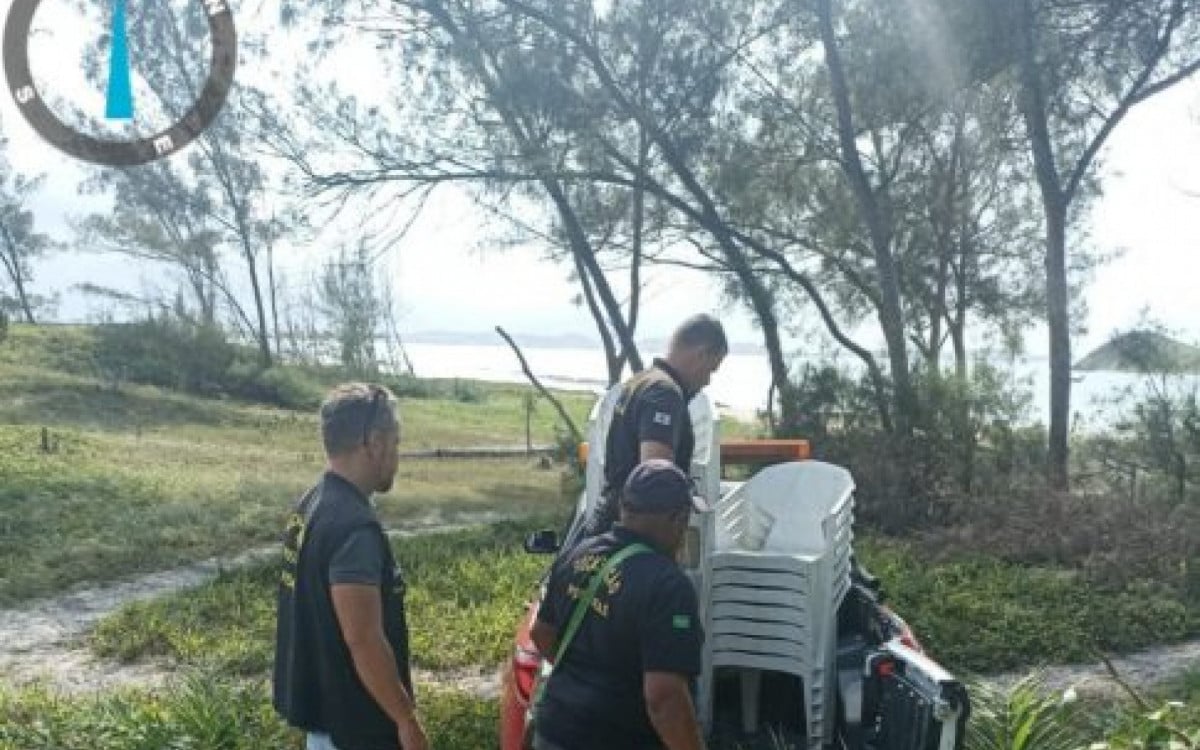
(613, 359)
(274, 302)
(1054, 202)
(562, 412)
(891, 316)
(12, 263)
(1058, 312)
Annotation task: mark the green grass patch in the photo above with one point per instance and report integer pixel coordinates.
(98, 483)
(141, 478)
(466, 592)
(103, 505)
(204, 712)
(986, 615)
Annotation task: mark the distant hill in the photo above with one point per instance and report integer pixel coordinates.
(1138, 351)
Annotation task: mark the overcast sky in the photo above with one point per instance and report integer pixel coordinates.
(446, 283)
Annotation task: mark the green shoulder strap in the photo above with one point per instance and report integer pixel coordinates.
(584, 603)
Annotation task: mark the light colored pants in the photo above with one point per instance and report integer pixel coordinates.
(319, 742)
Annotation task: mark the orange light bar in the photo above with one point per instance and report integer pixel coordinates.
(746, 451)
(764, 451)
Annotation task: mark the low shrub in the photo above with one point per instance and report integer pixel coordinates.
(983, 614)
(467, 392)
(165, 352)
(178, 354)
(279, 386)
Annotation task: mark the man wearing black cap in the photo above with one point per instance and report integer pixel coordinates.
(651, 417)
(625, 654)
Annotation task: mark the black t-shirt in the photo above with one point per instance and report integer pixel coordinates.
(333, 537)
(653, 407)
(644, 619)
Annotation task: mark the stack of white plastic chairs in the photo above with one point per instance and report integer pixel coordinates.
(780, 568)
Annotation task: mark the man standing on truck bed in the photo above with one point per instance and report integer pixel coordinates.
(651, 417)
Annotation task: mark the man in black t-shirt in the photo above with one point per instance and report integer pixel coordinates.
(341, 647)
(651, 417)
(624, 681)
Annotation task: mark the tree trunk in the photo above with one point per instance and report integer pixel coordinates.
(274, 299)
(891, 316)
(1058, 316)
(262, 334)
(614, 360)
(12, 263)
(1054, 203)
(23, 298)
(958, 337)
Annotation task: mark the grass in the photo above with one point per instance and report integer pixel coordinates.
(466, 592)
(204, 712)
(102, 505)
(987, 615)
(142, 478)
(468, 588)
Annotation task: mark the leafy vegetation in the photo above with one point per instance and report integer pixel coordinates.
(466, 592)
(468, 588)
(986, 615)
(203, 712)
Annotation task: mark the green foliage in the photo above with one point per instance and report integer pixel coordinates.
(1173, 725)
(178, 354)
(467, 392)
(1156, 435)
(282, 386)
(204, 712)
(166, 352)
(1023, 717)
(1026, 716)
(466, 592)
(967, 440)
(349, 298)
(985, 615)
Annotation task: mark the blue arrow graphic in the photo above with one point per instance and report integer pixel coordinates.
(120, 91)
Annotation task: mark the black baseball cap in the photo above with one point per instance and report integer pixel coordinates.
(658, 486)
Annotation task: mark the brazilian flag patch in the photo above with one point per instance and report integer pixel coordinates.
(681, 622)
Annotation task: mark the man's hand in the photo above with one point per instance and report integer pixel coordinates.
(412, 735)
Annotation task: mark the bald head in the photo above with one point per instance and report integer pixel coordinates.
(697, 349)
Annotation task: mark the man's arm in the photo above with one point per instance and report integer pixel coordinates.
(660, 422)
(545, 637)
(671, 645)
(360, 615)
(669, 703)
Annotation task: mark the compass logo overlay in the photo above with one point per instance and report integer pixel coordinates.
(119, 97)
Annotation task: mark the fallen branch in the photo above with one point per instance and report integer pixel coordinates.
(566, 418)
